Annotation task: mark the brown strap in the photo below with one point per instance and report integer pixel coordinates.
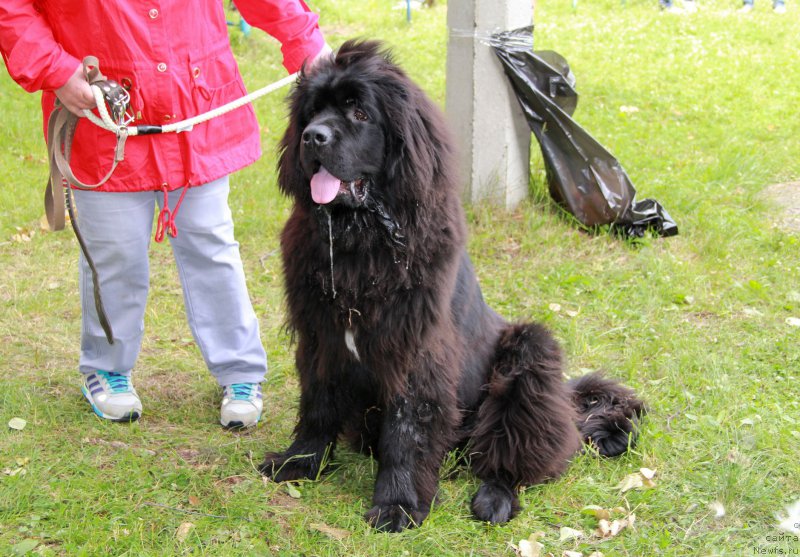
(60, 132)
(53, 204)
(98, 301)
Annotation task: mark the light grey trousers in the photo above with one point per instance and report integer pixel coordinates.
(117, 228)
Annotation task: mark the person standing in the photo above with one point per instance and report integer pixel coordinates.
(175, 59)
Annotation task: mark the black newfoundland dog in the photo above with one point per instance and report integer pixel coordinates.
(396, 349)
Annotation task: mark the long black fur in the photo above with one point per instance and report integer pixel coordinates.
(430, 366)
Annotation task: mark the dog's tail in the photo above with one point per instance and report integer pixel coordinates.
(608, 413)
(525, 428)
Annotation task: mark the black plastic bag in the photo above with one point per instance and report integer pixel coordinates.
(581, 174)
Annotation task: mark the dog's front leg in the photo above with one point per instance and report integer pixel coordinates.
(396, 504)
(318, 427)
(410, 457)
(312, 448)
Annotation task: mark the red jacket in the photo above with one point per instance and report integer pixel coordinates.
(176, 57)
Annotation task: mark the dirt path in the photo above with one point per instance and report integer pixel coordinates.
(787, 202)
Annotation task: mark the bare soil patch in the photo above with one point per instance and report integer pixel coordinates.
(786, 198)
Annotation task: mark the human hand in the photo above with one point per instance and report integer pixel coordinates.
(76, 94)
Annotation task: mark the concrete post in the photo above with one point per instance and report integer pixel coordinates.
(493, 136)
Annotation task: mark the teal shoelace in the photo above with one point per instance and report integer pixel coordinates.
(242, 391)
(116, 381)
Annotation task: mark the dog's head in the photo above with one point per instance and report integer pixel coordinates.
(343, 138)
(362, 135)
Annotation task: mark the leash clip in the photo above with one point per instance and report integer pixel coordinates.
(118, 100)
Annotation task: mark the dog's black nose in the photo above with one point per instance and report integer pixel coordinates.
(317, 135)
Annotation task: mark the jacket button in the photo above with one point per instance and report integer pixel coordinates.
(153, 13)
(162, 67)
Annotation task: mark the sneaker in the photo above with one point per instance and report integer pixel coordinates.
(241, 405)
(779, 8)
(689, 6)
(746, 9)
(112, 396)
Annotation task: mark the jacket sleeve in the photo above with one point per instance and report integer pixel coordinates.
(32, 56)
(289, 21)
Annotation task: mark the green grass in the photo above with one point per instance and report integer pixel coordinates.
(696, 323)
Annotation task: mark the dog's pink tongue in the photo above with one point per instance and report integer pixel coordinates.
(324, 186)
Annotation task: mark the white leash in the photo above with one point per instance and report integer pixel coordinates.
(106, 122)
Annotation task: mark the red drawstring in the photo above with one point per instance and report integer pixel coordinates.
(166, 217)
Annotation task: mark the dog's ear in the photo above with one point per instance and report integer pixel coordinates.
(418, 140)
(291, 180)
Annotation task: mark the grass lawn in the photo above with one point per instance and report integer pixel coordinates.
(701, 110)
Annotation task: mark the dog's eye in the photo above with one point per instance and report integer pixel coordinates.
(358, 114)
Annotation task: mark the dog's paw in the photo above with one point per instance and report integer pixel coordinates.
(394, 518)
(283, 468)
(495, 503)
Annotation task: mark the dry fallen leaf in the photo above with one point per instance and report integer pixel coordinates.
(530, 547)
(17, 423)
(603, 528)
(23, 234)
(331, 532)
(20, 470)
(643, 479)
(735, 456)
(14, 471)
(569, 534)
(597, 512)
(183, 531)
(718, 508)
(606, 529)
(647, 473)
(631, 481)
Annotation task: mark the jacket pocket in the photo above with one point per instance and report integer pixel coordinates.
(217, 143)
(215, 79)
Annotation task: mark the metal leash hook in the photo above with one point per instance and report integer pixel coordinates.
(117, 99)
